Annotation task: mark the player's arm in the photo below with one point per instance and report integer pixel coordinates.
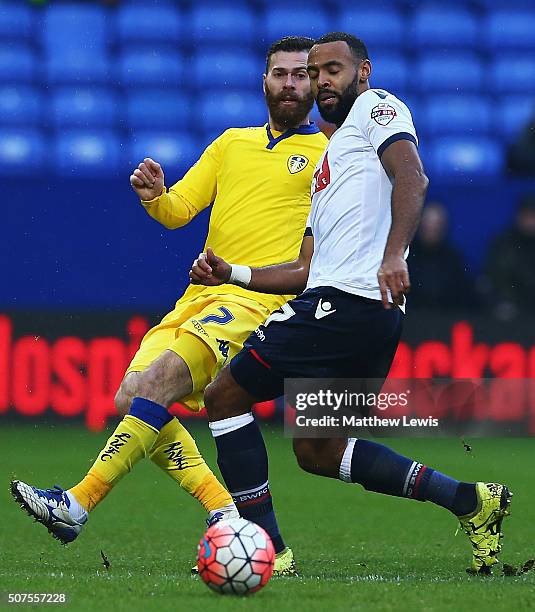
(287, 278)
(187, 197)
(404, 168)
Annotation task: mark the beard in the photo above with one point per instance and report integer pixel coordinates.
(288, 117)
(337, 114)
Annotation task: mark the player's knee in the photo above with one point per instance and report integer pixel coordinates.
(122, 401)
(220, 402)
(306, 458)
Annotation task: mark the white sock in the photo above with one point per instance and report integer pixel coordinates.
(345, 466)
(225, 426)
(76, 510)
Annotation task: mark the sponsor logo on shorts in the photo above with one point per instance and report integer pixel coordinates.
(198, 326)
(223, 348)
(260, 334)
(119, 440)
(323, 309)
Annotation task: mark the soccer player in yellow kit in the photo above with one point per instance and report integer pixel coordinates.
(258, 180)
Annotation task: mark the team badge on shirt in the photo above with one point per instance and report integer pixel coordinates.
(296, 163)
(383, 113)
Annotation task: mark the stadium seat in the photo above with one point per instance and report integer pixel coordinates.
(22, 152)
(176, 151)
(390, 71)
(510, 30)
(83, 107)
(160, 68)
(68, 26)
(77, 66)
(513, 72)
(465, 157)
(227, 69)
(20, 105)
(458, 114)
(449, 72)
(514, 114)
(434, 26)
(142, 23)
(168, 110)
(82, 152)
(16, 21)
(231, 25)
(220, 110)
(17, 64)
(301, 21)
(375, 27)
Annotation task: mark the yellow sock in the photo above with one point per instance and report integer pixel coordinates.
(129, 443)
(176, 453)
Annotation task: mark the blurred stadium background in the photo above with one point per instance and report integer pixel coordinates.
(87, 89)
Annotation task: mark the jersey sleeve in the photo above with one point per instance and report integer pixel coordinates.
(384, 119)
(199, 185)
(192, 194)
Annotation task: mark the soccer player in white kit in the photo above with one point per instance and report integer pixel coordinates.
(352, 277)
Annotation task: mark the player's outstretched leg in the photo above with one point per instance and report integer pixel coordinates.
(479, 507)
(147, 428)
(243, 461)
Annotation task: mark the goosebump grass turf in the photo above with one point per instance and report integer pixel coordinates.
(355, 550)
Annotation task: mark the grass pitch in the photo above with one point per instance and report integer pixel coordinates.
(356, 550)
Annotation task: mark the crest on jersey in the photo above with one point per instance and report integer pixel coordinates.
(296, 163)
(383, 113)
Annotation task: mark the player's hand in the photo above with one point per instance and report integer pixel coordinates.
(147, 179)
(393, 275)
(210, 270)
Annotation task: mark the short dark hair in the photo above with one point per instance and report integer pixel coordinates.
(358, 48)
(289, 44)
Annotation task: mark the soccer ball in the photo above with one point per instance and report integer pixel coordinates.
(235, 557)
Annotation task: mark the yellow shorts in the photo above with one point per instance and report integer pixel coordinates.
(206, 332)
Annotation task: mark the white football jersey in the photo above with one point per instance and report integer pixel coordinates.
(350, 216)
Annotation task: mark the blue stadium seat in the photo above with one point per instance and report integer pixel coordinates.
(160, 68)
(82, 152)
(390, 71)
(498, 4)
(506, 29)
(223, 109)
(176, 151)
(434, 26)
(22, 152)
(513, 72)
(17, 64)
(514, 113)
(142, 23)
(20, 105)
(75, 26)
(452, 72)
(227, 69)
(16, 21)
(77, 66)
(467, 157)
(168, 109)
(83, 107)
(377, 28)
(458, 114)
(232, 24)
(305, 21)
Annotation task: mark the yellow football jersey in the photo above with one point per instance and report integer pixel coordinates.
(259, 184)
